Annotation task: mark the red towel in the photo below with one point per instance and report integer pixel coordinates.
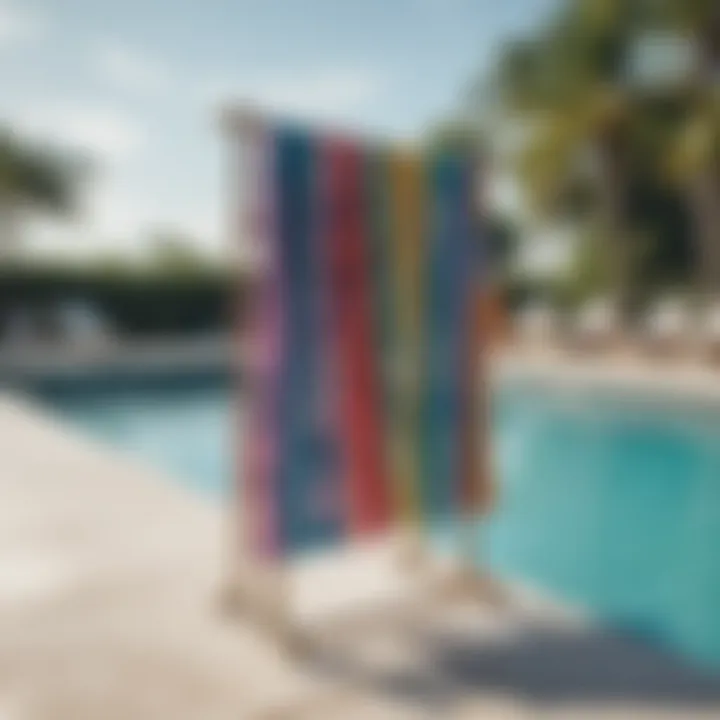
(366, 487)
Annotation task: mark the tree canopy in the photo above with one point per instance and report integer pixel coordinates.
(36, 176)
(620, 141)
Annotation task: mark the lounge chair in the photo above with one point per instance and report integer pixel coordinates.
(668, 327)
(596, 325)
(82, 323)
(537, 325)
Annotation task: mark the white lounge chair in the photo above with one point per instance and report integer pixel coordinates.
(537, 325)
(596, 324)
(82, 323)
(668, 327)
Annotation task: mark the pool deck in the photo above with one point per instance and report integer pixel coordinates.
(109, 580)
(661, 378)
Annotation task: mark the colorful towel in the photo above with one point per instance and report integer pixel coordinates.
(362, 414)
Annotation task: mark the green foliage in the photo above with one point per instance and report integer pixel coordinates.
(590, 274)
(174, 253)
(614, 154)
(501, 242)
(136, 304)
(454, 136)
(36, 176)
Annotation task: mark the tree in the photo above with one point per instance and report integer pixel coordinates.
(567, 86)
(33, 179)
(695, 152)
(175, 253)
(598, 137)
(455, 134)
(696, 161)
(501, 243)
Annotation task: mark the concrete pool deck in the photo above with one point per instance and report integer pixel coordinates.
(664, 379)
(109, 577)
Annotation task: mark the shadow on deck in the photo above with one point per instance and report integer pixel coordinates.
(539, 667)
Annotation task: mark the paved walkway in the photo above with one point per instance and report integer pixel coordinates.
(108, 586)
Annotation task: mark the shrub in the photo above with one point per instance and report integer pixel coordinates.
(136, 304)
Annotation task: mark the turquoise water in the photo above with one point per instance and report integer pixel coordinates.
(614, 505)
(609, 504)
(182, 428)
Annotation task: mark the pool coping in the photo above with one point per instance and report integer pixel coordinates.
(674, 383)
(640, 377)
(35, 363)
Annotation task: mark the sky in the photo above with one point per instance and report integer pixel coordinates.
(137, 85)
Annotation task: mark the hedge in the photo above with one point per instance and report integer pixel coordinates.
(134, 304)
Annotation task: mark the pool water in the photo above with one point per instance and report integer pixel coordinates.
(183, 428)
(614, 505)
(609, 504)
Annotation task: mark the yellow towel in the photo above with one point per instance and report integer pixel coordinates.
(407, 204)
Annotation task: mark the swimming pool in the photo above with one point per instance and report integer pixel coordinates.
(610, 504)
(181, 425)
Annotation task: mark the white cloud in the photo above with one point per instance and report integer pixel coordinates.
(328, 95)
(108, 210)
(111, 213)
(18, 26)
(117, 220)
(130, 68)
(109, 221)
(103, 133)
